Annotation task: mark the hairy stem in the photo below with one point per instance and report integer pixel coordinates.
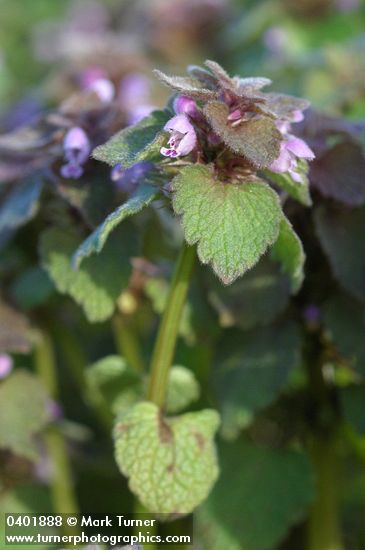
(63, 496)
(165, 345)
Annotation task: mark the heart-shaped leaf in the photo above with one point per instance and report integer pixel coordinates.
(171, 463)
(233, 223)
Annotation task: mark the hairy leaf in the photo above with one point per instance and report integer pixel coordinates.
(171, 463)
(186, 85)
(253, 368)
(24, 412)
(341, 233)
(21, 205)
(258, 139)
(283, 105)
(233, 224)
(95, 285)
(288, 250)
(94, 244)
(339, 173)
(142, 141)
(256, 508)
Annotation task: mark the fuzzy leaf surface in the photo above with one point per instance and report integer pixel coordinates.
(94, 244)
(288, 250)
(232, 224)
(186, 85)
(258, 140)
(142, 141)
(94, 286)
(171, 463)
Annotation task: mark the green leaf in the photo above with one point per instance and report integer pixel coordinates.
(288, 250)
(144, 195)
(113, 383)
(259, 496)
(258, 139)
(183, 389)
(186, 85)
(298, 190)
(341, 233)
(253, 367)
(97, 285)
(142, 141)
(233, 223)
(344, 319)
(21, 205)
(171, 463)
(23, 413)
(254, 300)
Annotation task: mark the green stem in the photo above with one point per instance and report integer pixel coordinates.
(165, 345)
(126, 342)
(324, 531)
(63, 496)
(323, 528)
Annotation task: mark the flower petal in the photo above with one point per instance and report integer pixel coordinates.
(179, 123)
(284, 160)
(299, 148)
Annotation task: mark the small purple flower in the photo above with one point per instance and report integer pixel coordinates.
(103, 88)
(183, 137)
(291, 149)
(134, 97)
(6, 365)
(90, 75)
(76, 147)
(187, 106)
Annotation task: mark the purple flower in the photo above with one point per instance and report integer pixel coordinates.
(90, 75)
(291, 149)
(312, 313)
(6, 365)
(76, 147)
(134, 96)
(183, 137)
(187, 106)
(103, 88)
